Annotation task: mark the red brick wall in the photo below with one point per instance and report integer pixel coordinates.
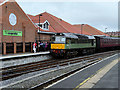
(43, 37)
(22, 22)
(0, 24)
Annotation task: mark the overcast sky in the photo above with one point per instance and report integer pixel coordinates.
(97, 13)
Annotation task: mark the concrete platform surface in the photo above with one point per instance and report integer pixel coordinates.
(109, 80)
(9, 56)
(78, 79)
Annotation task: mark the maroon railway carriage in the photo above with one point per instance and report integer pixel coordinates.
(103, 42)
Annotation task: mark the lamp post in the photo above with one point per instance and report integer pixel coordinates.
(39, 25)
(81, 28)
(105, 30)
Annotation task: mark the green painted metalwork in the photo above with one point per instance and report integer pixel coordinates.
(81, 45)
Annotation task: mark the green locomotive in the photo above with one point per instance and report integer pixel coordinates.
(70, 44)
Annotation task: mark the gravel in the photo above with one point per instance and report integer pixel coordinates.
(33, 79)
(39, 77)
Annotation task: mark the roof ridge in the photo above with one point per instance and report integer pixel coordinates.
(25, 14)
(96, 29)
(4, 2)
(57, 22)
(92, 27)
(19, 8)
(100, 32)
(83, 30)
(50, 25)
(80, 28)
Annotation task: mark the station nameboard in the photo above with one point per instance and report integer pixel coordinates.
(12, 33)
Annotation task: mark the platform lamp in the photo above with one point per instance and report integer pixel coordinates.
(39, 25)
(81, 28)
(105, 30)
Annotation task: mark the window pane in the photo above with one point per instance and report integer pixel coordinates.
(57, 39)
(63, 39)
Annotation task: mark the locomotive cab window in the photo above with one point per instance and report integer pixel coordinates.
(52, 39)
(60, 39)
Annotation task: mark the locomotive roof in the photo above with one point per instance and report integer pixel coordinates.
(76, 36)
(70, 35)
(85, 36)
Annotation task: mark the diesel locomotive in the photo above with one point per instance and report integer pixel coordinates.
(70, 44)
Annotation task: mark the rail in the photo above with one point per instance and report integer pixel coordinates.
(14, 71)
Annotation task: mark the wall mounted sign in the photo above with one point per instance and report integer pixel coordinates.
(12, 33)
(12, 19)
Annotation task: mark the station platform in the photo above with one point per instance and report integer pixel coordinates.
(105, 78)
(23, 58)
(20, 55)
(109, 80)
(104, 74)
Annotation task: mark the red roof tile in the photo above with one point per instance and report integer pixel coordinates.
(35, 19)
(68, 26)
(89, 29)
(1, 1)
(56, 24)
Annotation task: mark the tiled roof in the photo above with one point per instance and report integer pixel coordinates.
(89, 29)
(4, 1)
(56, 24)
(1, 1)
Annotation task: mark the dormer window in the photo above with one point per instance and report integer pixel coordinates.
(40, 25)
(44, 26)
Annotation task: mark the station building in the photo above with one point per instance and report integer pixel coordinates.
(50, 24)
(89, 29)
(18, 31)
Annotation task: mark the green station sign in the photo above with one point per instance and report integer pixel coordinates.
(12, 33)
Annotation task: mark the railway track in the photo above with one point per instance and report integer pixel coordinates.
(14, 71)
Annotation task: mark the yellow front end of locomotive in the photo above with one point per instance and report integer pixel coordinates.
(57, 46)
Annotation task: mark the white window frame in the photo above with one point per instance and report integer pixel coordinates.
(43, 25)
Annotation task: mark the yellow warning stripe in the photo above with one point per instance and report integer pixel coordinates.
(90, 77)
